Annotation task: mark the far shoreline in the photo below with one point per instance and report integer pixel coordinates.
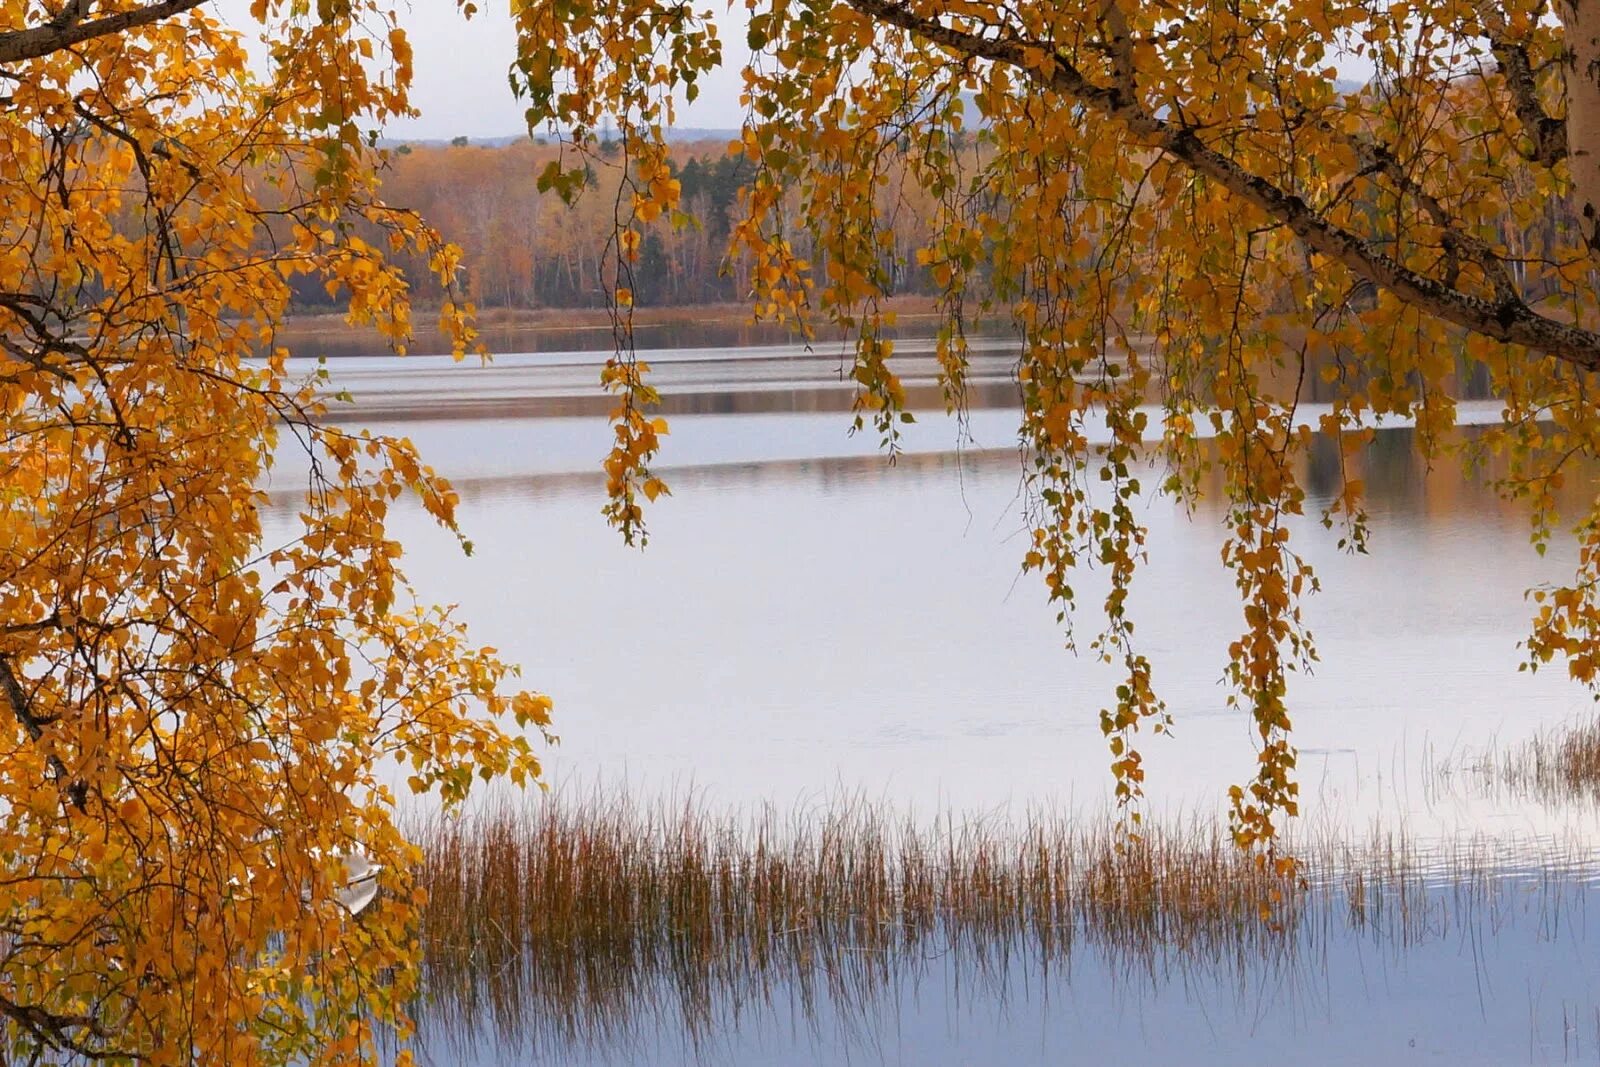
(586, 327)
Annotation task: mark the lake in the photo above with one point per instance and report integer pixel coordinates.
(811, 622)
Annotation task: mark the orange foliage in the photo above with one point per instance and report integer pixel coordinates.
(194, 718)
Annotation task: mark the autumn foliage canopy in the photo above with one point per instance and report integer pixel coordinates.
(1197, 217)
(1186, 213)
(198, 716)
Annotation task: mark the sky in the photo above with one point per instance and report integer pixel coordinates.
(460, 70)
(461, 65)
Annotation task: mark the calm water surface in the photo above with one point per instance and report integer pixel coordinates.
(1508, 979)
(809, 619)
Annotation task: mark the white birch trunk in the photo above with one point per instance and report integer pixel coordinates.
(1580, 19)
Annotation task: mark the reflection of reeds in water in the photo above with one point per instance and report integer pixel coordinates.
(1554, 766)
(568, 923)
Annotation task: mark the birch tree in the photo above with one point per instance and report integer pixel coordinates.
(1185, 210)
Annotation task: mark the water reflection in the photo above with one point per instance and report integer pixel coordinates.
(700, 381)
(783, 379)
(810, 619)
(576, 332)
(605, 935)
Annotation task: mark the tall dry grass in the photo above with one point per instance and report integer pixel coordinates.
(579, 920)
(1560, 766)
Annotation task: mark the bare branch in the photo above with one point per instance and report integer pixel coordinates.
(17, 46)
(72, 14)
(54, 1030)
(34, 724)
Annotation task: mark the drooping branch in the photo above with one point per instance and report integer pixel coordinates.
(69, 29)
(1377, 158)
(1508, 319)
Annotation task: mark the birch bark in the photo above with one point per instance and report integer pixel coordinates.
(1580, 20)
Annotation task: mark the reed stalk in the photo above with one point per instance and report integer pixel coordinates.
(561, 919)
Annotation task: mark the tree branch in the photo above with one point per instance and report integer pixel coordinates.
(1508, 319)
(54, 1031)
(77, 789)
(64, 32)
(73, 13)
(1549, 134)
(1379, 158)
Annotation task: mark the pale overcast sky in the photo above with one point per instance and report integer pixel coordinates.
(461, 70)
(461, 74)
(461, 67)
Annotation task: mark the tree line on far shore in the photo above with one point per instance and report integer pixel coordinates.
(523, 248)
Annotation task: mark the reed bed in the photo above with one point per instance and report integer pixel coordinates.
(1554, 766)
(564, 920)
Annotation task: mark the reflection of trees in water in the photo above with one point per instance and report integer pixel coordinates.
(1399, 480)
(825, 474)
(587, 337)
(1394, 472)
(604, 925)
(1330, 376)
(727, 327)
(593, 403)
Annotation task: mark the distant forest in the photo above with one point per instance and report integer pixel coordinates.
(529, 250)
(524, 249)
